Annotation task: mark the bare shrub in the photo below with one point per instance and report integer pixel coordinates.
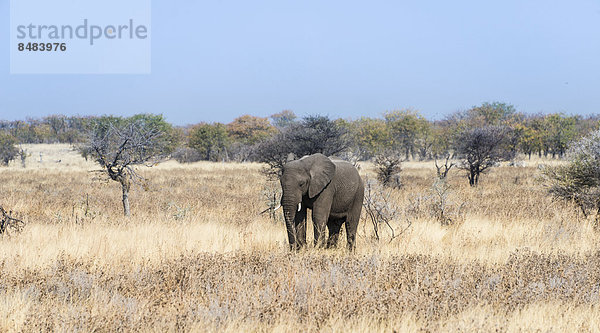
(177, 212)
(271, 195)
(442, 170)
(23, 155)
(7, 221)
(388, 166)
(438, 203)
(380, 210)
(443, 208)
(82, 212)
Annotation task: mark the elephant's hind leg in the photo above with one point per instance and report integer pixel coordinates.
(334, 225)
(352, 221)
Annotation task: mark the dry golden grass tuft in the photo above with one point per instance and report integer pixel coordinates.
(196, 256)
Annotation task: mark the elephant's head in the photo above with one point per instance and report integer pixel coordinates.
(307, 176)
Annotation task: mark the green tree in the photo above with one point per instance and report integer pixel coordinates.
(528, 138)
(42, 133)
(487, 114)
(440, 136)
(407, 128)
(559, 131)
(210, 140)
(8, 149)
(494, 113)
(370, 135)
(23, 131)
(57, 126)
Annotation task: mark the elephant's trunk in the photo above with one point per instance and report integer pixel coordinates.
(290, 207)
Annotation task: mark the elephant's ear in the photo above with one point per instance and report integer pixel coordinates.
(321, 173)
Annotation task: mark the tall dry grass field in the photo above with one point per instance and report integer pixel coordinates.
(196, 256)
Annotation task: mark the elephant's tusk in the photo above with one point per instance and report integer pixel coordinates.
(299, 206)
(268, 209)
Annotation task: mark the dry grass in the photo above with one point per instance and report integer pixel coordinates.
(195, 256)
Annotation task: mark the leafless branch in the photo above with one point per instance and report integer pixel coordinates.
(7, 221)
(442, 171)
(380, 209)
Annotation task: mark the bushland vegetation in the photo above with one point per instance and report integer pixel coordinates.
(405, 131)
(475, 139)
(516, 252)
(195, 255)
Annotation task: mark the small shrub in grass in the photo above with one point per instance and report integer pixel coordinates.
(388, 166)
(440, 203)
(381, 210)
(579, 180)
(7, 221)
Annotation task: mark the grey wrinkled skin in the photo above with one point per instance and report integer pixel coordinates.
(331, 188)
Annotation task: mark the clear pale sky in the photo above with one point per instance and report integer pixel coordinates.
(216, 60)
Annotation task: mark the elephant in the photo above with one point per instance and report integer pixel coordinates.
(331, 188)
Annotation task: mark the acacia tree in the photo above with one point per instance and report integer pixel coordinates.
(118, 144)
(481, 148)
(314, 134)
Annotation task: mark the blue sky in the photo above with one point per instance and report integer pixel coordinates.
(216, 60)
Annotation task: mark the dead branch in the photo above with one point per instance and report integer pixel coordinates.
(442, 170)
(7, 221)
(380, 210)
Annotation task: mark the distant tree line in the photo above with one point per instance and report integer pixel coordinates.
(405, 132)
(51, 129)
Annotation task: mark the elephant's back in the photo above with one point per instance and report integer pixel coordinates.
(344, 166)
(346, 177)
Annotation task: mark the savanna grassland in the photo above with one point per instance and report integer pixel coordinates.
(196, 256)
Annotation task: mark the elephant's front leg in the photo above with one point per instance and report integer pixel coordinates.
(300, 223)
(320, 217)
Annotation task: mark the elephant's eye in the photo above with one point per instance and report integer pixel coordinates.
(301, 183)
